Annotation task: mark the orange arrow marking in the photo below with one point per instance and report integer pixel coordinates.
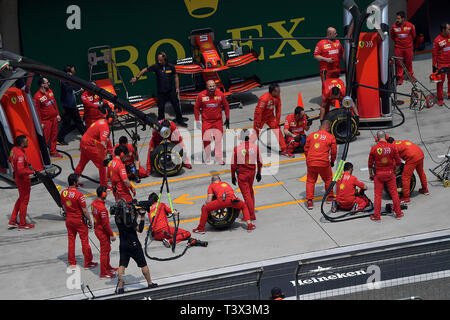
(303, 179)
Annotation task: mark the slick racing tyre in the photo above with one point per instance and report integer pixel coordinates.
(222, 218)
(430, 101)
(173, 160)
(398, 179)
(338, 120)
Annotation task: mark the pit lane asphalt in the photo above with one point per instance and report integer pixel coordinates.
(33, 264)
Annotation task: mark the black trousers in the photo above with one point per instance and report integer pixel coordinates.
(70, 120)
(172, 97)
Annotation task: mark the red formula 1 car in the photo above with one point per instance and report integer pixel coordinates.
(207, 61)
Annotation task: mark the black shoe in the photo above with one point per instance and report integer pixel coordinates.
(120, 291)
(152, 285)
(62, 142)
(181, 123)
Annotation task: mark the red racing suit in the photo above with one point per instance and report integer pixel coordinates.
(160, 224)
(326, 93)
(22, 173)
(403, 36)
(345, 192)
(210, 107)
(218, 189)
(130, 159)
(90, 104)
(329, 49)
(73, 202)
(47, 110)
(264, 114)
(297, 128)
(321, 151)
(441, 59)
(93, 150)
(246, 163)
(118, 174)
(413, 157)
(384, 157)
(103, 232)
(175, 138)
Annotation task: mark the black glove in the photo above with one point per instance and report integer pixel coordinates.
(309, 122)
(435, 69)
(233, 180)
(332, 164)
(227, 123)
(297, 138)
(258, 177)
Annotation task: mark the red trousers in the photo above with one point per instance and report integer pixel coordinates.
(219, 204)
(379, 180)
(440, 86)
(105, 249)
(124, 195)
(51, 133)
(168, 234)
(407, 55)
(89, 153)
(245, 183)
(312, 173)
(74, 226)
(213, 129)
(360, 200)
(24, 187)
(275, 126)
(408, 171)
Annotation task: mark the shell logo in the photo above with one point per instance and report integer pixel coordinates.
(317, 146)
(408, 143)
(342, 186)
(384, 160)
(223, 184)
(68, 203)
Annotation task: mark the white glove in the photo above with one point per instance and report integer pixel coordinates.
(198, 125)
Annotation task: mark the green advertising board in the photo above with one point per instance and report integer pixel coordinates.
(60, 32)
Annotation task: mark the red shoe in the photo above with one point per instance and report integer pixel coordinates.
(221, 162)
(113, 269)
(199, 230)
(56, 155)
(330, 199)
(251, 227)
(166, 243)
(400, 82)
(399, 216)
(373, 218)
(108, 275)
(287, 154)
(405, 200)
(149, 172)
(440, 103)
(187, 165)
(12, 225)
(26, 226)
(424, 191)
(310, 205)
(91, 265)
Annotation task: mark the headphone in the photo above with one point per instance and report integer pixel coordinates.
(68, 68)
(376, 138)
(103, 192)
(164, 55)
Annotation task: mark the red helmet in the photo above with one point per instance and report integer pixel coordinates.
(435, 77)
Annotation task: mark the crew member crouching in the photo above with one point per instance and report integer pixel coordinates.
(132, 164)
(294, 130)
(346, 198)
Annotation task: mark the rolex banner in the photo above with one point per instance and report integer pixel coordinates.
(61, 32)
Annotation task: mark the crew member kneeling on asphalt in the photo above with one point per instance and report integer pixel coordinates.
(131, 159)
(320, 151)
(246, 162)
(78, 221)
(385, 158)
(175, 138)
(413, 157)
(117, 173)
(225, 198)
(161, 230)
(103, 232)
(295, 126)
(130, 247)
(346, 198)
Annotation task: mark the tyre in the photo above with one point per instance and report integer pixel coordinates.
(338, 120)
(398, 179)
(222, 218)
(430, 101)
(173, 160)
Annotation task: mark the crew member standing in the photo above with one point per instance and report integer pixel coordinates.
(346, 190)
(264, 114)
(441, 59)
(175, 138)
(210, 103)
(295, 127)
(329, 53)
(22, 173)
(75, 207)
(91, 105)
(117, 173)
(321, 152)
(168, 86)
(385, 158)
(246, 162)
(413, 157)
(403, 34)
(46, 107)
(225, 198)
(93, 145)
(103, 232)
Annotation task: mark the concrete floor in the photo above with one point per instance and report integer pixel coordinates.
(34, 262)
